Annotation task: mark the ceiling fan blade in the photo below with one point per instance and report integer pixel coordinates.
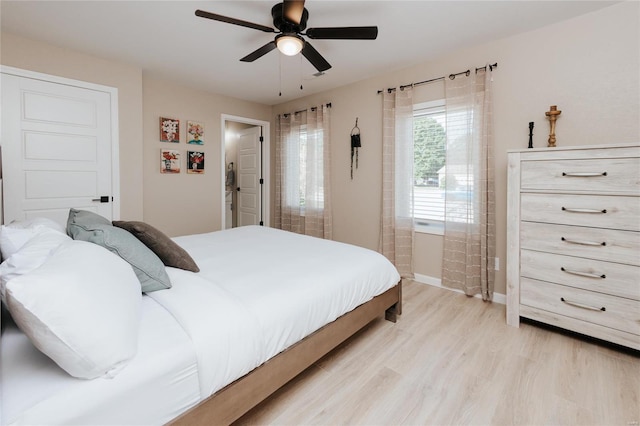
(259, 52)
(315, 58)
(216, 17)
(292, 10)
(343, 33)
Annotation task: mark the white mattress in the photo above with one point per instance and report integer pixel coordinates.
(157, 385)
(259, 290)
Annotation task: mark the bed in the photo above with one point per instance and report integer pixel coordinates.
(264, 306)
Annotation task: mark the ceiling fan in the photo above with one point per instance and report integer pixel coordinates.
(290, 19)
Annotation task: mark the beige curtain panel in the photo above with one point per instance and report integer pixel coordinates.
(302, 175)
(397, 230)
(469, 233)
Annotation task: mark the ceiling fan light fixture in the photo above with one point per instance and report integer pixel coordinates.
(289, 44)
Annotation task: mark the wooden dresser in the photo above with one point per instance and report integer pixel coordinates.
(573, 240)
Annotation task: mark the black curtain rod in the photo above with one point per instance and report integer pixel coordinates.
(303, 110)
(451, 76)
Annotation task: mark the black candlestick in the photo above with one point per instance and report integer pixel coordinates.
(531, 134)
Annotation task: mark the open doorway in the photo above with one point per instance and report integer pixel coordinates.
(245, 172)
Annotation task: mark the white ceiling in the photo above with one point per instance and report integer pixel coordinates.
(167, 40)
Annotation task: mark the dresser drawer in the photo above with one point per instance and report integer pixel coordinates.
(612, 175)
(594, 243)
(610, 311)
(598, 211)
(594, 275)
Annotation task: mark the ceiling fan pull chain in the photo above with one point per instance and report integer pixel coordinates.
(280, 66)
(300, 68)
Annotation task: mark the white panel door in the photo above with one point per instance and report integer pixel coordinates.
(249, 177)
(56, 149)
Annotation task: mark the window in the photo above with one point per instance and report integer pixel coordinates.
(297, 171)
(303, 201)
(303, 168)
(429, 137)
(305, 149)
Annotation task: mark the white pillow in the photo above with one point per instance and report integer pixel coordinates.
(81, 308)
(14, 235)
(12, 239)
(37, 221)
(30, 256)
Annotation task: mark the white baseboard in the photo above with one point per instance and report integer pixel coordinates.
(436, 282)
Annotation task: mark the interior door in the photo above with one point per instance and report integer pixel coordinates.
(56, 149)
(248, 178)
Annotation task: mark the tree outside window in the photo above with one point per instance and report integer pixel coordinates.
(429, 139)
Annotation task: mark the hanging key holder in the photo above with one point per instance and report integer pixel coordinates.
(355, 145)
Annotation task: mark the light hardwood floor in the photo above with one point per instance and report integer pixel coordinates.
(452, 360)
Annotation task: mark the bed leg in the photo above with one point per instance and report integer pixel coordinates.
(392, 313)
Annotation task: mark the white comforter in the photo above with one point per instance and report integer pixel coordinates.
(278, 287)
(259, 290)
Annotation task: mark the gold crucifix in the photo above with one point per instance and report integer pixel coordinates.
(553, 114)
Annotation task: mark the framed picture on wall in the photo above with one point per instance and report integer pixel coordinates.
(195, 133)
(169, 130)
(169, 161)
(195, 162)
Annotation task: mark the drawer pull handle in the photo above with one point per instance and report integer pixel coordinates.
(584, 243)
(583, 174)
(572, 210)
(580, 305)
(582, 274)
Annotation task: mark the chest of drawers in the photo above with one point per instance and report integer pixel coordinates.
(573, 240)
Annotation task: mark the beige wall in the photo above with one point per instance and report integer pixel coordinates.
(44, 58)
(177, 204)
(588, 66)
(183, 203)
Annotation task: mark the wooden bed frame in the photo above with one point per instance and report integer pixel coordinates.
(233, 401)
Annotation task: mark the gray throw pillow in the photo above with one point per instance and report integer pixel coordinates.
(84, 218)
(148, 267)
(164, 247)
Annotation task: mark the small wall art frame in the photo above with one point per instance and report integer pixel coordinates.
(195, 162)
(169, 161)
(169, 130)
(195, 133)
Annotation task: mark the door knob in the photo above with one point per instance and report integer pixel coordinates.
(102, 199)
(238, 189)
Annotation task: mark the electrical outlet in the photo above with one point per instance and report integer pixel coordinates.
(497, 267)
